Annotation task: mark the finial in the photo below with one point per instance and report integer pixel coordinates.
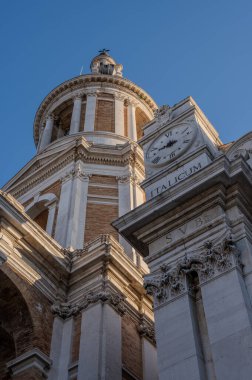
(104, 51)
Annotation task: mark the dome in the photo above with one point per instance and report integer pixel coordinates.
(103, 63)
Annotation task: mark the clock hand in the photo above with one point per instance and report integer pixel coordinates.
(169, 144)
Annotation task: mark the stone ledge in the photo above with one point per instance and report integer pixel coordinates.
(31, 359)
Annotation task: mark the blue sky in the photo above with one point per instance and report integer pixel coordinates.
(172, 49)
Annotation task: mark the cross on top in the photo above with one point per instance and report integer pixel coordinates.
(104, 50)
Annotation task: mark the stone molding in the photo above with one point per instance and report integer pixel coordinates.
(212, 261)
(12, 200)
(31, 359)
(78, 95)
(85, 156)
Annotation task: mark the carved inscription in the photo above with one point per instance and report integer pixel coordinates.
(183, 231)
(173, 178)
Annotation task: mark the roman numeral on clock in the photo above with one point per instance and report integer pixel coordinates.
(156, 160)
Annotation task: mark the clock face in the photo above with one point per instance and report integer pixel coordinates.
(172, 143)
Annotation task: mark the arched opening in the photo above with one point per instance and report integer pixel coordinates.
(16, 326)
(42, 211)
(39, 213)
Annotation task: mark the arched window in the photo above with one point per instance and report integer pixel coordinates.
(42, 211)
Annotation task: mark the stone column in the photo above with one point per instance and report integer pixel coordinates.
(76, 115)
(126, 203)
(61, 345)
(149, 352)
(47, 132)
(119, 114)
(228, 314)
(90, 112)
(132, 120)
(63, 208)
(51, 214)
(178, 342)
(100, 343)
(77, 213)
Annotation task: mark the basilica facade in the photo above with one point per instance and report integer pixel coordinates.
(129, 213)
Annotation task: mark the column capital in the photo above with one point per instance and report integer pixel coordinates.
(131, 102)
(119, 96)
(78, 95)
(146, 330)
(50, 116)
(211, 261)
(105, 296)
(92, 93)
(65, 310)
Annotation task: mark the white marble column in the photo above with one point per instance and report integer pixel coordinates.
(100, 344)
(47, 132)
(178, 343)
(149, 354)
(61, 346)
(51, 215)
(77, 213)
(132, 129)
(63, 208)
(119, 114)
(228, 314)
(126, 203)
(90, 112)
(76, 115)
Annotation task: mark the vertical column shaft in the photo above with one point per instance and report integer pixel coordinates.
(132, 120)
(119, 115)
(126, 203)
(63, 209)
(47, 133)
(61, 345)
(77, 214)
(149, 352)
(179, 351)
(90, 112)
(76, 115)
(100, 344)
(50, 219)
(228, 315)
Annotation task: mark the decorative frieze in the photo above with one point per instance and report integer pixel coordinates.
(212, 260)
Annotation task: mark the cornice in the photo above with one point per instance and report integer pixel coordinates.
(83, 81)
(129, 154)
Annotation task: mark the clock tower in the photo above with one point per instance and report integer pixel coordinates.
(195, 234)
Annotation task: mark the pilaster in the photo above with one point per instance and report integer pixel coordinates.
(90, 112)
(76, 115)
(132, 119)
(101, 340)
(119, 114)
(47, 132)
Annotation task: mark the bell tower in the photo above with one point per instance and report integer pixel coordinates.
(88, 165)
(85, 174)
